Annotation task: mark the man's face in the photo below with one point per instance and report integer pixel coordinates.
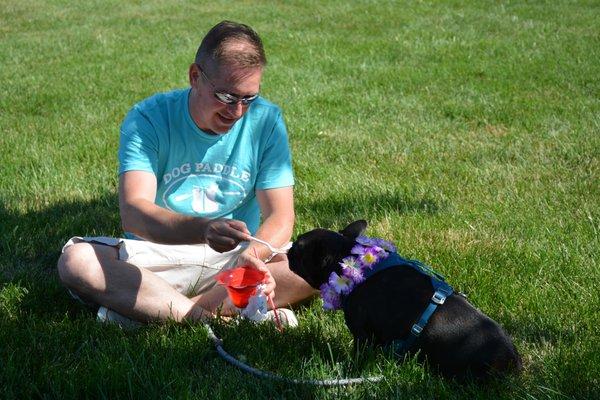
(210, 114)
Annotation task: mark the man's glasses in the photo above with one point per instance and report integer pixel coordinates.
(228, 98)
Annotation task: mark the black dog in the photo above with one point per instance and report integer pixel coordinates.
(458, 339)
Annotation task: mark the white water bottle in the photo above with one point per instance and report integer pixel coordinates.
(256, 310)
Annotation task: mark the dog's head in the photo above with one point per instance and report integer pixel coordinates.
(316, 254)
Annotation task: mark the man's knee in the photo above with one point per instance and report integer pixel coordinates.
(78, 265)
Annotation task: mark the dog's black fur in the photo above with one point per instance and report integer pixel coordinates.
(459, 340)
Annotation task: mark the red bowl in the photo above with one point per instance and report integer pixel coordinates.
(240, 297)
(241, 283)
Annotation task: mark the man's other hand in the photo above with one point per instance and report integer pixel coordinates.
(249, 259)
(225, 234)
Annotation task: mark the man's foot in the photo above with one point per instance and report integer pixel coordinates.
(287, 318)
(109, 316)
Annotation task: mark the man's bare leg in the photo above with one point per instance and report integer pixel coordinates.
(216, 300)
(95, 273)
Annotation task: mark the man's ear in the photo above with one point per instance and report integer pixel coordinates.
(193, 74)
(355, 229)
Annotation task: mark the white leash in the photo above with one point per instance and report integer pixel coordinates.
(272, 249)
(275, 250)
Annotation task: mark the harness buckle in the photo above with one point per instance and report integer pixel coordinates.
(438, 298)
(416, 330)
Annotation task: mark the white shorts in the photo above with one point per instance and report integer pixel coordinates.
(190, 269)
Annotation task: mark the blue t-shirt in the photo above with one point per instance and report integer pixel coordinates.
(203, 174)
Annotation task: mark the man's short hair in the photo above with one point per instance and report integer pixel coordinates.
(231, 44)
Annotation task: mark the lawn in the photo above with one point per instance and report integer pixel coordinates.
(468, 132)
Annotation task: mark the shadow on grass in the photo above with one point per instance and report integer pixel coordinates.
(169, 361)
(534, 331)
(30, 245)
(343, 208)
(33, 240)
(67, 338)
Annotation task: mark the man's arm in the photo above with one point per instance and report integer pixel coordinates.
(143, 218)
(277, 210)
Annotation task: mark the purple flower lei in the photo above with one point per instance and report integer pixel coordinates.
(366, 253)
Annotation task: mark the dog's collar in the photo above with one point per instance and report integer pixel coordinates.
(366, 255)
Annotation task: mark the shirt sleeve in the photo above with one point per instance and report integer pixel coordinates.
(138, 144)
(275, 169)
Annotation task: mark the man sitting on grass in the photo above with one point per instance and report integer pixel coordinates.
(198, 168)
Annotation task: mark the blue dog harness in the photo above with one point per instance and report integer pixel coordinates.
(441, 290)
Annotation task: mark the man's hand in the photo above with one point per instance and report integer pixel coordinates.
(249, 259)
(225, 234)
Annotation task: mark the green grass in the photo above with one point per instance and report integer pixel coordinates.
(468, 132)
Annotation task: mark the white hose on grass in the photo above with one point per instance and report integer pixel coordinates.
(269, 375)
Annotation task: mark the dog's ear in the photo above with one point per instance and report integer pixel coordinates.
(355, 229)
